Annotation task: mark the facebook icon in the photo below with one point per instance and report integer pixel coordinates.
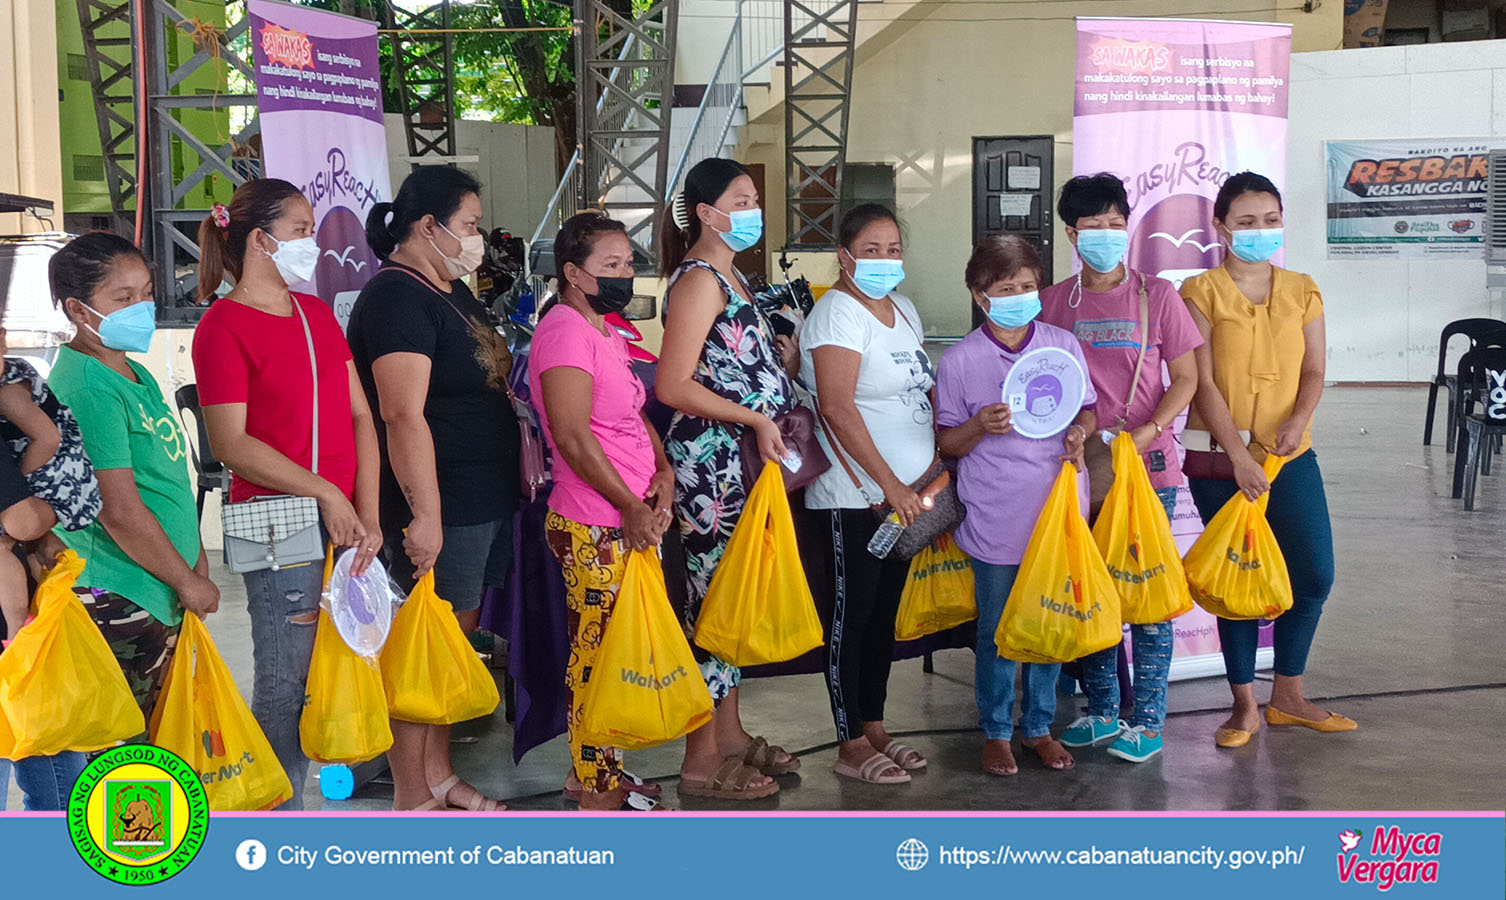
(251, 854)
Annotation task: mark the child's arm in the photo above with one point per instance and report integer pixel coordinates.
(18, 408)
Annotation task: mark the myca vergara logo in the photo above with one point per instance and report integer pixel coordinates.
(1394, 857)
(138, 814)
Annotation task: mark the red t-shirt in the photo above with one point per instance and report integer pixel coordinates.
(244, 355)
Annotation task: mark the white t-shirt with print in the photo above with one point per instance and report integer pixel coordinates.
(893, 394)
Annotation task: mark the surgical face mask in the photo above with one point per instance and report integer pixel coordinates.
(1256, 244)
(1102, 249)
(876, 277)
(472, 251)
(1014, 312)
(295, 259)
(129, 329)
(747, 228)
(612, 294)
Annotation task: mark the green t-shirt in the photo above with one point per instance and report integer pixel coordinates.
(129, 426)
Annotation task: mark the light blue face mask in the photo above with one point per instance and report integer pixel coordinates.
(1014, 312)
(1256, 244)
(747, 228)
(128, 329)
(877, 277)
(1102, 248)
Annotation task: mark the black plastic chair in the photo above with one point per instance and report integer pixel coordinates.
(1482, 417)
(1477, 330)
(211, 473)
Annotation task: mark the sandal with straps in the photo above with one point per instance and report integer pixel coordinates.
(730, 782)
(876, 769)
(764, 757)
(904, 756)
(478, 801)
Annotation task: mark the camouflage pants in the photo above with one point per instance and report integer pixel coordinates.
(142, 645)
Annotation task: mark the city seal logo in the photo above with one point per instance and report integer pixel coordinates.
(138, 814)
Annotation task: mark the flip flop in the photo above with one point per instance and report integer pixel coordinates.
(907, 758)
(873, 770)
(763, 756)
(730, 782)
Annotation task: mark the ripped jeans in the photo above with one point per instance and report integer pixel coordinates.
(284, 608)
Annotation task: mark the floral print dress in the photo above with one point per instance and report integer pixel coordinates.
(741, 364)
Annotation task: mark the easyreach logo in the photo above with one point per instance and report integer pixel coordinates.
(1395, 857)
(138, 814)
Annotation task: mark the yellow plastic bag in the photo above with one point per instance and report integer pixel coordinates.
(938, 592)
(202, 718)
(645, 688)
(1135, 538)
(1236, 570)
(429, 671)
(344, 716)
(61, 687)
(1063, 605)
(758, 608)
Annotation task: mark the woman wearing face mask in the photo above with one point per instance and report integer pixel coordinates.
(872, 380)
(1260, 375)
(613, 486)
(724, 370)
(1003, 479)
(1102, 306)
(435, 369)
(252, 354)
(144, 563)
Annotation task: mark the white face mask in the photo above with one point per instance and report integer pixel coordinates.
(472, 250)
(295, 259)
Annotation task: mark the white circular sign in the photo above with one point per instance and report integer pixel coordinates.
(360, 607)
(1045, 390)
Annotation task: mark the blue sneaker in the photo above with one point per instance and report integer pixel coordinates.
(1089, 731)
(1135, 745)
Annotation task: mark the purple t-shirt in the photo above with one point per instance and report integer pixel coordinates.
(565, 338)
(1006, 478)
(1108, 327)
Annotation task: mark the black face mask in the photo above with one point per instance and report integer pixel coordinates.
(612, 294)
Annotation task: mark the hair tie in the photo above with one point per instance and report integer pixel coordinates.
(679, 213)
(221, 216)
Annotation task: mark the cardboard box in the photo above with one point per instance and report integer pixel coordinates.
(1364, 23)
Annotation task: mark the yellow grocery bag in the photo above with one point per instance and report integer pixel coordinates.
(61, 687)
(645, 688)
(1063, 605)
(1135, 538)
(758, 608)
(429, 671)
(344, 717)
(938, 592)
(202, 718)
(1236, 570)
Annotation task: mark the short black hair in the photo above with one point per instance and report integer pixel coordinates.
(860, 217)
(1091, 195)
(82, 263)
(1242, 183)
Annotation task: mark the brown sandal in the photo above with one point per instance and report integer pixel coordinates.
(730, 782)
(764, 757)
(1041, 747)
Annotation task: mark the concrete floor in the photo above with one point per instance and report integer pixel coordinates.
(1410, 646)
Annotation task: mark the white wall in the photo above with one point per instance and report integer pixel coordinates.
(1384, 316)
(514, 162)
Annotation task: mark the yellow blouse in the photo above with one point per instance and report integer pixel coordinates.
(1257, 349)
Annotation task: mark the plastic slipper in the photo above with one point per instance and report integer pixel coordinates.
(907, 758)
(872, 770)
(730, 782)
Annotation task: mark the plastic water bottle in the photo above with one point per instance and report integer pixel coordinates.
(886, 537)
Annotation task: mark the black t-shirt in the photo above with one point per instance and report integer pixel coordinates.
(472, 421)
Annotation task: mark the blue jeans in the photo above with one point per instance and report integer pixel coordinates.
(45, 781)
(284, 608)
(1153, 646)
(994, 677)
(1298, 514)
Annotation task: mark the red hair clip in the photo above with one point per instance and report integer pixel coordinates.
(221, 216)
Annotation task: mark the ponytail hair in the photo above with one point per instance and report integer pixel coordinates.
(706, 182)
(434, 191)
(77, 269)
(222, 247)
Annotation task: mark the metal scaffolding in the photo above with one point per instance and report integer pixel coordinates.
(425, 66)
(818, 56)
(625, 88)
(110, 59)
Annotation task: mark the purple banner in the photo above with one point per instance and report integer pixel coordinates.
(1174, 107)
(320, 96)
